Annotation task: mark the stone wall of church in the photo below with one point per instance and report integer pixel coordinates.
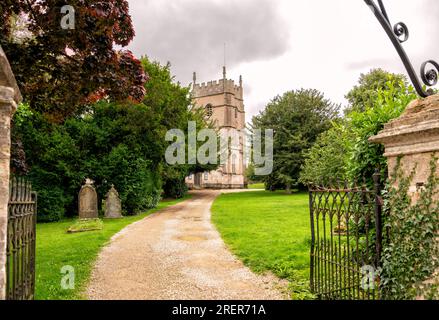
(225, 100)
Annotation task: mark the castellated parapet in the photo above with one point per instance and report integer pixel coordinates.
(217, 87)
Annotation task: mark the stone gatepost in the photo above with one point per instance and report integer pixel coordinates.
(415, 137)
(9, 98)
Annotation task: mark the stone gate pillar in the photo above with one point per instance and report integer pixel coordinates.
(9, 98)
(415, 136)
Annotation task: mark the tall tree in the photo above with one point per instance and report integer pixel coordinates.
(365, 92)
(60, 71)
(172, 109)
(297, 118)
(114, 143)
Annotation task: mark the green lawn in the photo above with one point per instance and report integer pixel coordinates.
(268, 231)
(56, 249)
(256, 186)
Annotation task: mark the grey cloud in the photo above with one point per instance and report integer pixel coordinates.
(191, 34)
(432, 9)
(372, 63)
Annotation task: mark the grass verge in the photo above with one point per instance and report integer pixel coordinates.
(268, 231)
(56, 249)
(256, 186)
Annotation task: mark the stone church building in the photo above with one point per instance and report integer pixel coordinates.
(223, 102)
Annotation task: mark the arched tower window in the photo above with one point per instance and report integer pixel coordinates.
(234, 164)
(209, 110)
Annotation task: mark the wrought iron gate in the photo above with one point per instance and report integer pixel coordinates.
(20, 263)
(346, 240)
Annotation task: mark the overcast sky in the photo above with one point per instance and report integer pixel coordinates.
(280, 45)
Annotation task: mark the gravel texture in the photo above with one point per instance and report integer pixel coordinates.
(177, 254)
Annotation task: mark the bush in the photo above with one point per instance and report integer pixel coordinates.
(327, 159)
(175, 189)
(364, 156)
(134, 178)
(345, 151)
(52, 201)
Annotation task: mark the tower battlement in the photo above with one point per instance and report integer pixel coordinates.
(217, 87)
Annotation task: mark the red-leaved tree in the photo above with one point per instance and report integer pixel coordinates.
(61, 71)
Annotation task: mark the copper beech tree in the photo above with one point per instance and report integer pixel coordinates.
(61, 71)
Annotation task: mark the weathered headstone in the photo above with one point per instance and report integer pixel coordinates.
(113, 206)
(88, 201)
(9, 98)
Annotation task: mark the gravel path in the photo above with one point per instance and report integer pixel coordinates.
(176, 254)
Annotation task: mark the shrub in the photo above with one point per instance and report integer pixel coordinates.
(327, 159)
(175, 189)
(345, 151)
(52, 199)
(364, 156)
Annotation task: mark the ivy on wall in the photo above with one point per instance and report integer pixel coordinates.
(411, 254)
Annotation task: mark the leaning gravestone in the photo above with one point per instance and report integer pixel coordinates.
(88, 201)
(113, 206)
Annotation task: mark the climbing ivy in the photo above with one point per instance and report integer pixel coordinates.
(411, 253)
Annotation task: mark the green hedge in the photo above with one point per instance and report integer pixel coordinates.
(61, 156)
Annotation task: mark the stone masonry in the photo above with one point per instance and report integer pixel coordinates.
(223, 102)
(9, 98)
(415, 137)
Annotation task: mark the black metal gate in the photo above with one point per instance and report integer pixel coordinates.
(20, 263)
(346, 240)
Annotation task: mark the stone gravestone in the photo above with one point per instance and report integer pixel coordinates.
(113, 206)
(88, 201)
(9, 98)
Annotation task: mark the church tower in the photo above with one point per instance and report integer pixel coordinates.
(223, 104)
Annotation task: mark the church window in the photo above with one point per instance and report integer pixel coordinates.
(236, 113)
(234, 164)
(206, 176)
(209, 110)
